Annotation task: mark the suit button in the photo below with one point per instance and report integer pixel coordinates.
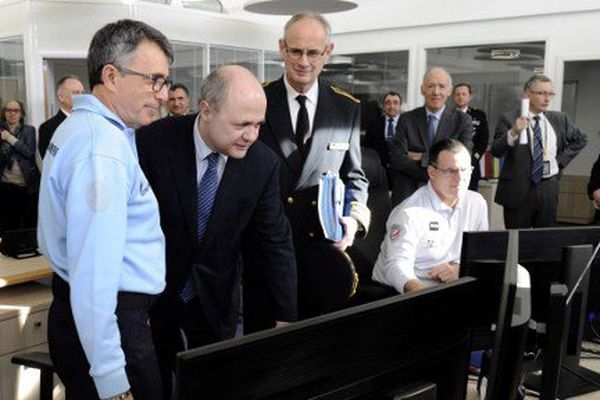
(311, 235)
(290, 200)
(313, 203)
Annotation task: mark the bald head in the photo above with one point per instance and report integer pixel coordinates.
(436, 87)
(231, 110)
(67, 87)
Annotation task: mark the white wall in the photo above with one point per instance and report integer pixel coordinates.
(64, 29)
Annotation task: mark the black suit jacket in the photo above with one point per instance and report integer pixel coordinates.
(515, 176)
(374, 139)
(481, 132)
(334, 146)
(247, 202)
(411, 135)
(47, 130)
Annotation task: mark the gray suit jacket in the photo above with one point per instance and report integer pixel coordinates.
(411, 135)
(515, 176)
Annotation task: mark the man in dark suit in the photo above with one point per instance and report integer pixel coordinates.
(420, 128)
(66, 87)
(186, 159)
(314, 128)
(379, 132)
(179, 100)
(536, 147)
(461, 94)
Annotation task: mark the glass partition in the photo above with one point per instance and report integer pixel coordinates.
(224, 55)
(12, 70)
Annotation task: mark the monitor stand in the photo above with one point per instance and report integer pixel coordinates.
(572, 381)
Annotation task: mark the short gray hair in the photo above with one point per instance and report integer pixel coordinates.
(535, 79)
(115, 41)
(214, 89)
(310, 15)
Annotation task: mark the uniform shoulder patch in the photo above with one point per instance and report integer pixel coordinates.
(266, 83)
(342, 92)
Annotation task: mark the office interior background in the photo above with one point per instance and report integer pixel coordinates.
(380, 45)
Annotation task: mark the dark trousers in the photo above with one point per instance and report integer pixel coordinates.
(176, 327)
(18, 208)
(538, 210)
(70, 361)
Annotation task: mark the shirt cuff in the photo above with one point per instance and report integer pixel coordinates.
(112, 384)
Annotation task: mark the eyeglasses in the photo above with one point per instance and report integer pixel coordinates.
(430, 87)
(312, 55)
(12, 110)
(158, 81)
(453, 171)
(544, 94)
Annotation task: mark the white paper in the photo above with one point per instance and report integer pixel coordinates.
(524, 113)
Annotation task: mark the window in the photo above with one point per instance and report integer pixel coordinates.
(12, 70)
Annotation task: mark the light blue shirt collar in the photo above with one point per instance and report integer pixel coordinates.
(438, 114)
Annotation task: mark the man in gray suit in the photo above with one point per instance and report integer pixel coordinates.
(419, 129)
(536, 148)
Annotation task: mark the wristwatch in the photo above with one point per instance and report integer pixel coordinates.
(122, 396)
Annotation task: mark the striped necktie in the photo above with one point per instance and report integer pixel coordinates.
(207, 190)
(537, 167)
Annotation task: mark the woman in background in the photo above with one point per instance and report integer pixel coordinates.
(19, 176)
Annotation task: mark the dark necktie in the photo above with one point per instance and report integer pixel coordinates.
(302, 123)
(390, 130)
(431, 128)
(537, 168)
(207, 190)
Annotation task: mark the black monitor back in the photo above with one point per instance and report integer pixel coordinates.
(364, 352)
(540, 251)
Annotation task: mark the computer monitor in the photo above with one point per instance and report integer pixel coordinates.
(371, 351)
(541, 251)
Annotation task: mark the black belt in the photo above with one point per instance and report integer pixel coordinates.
(125, 300)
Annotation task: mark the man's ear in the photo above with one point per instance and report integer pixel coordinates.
(205, 110)
(430, 171)
(108, 76)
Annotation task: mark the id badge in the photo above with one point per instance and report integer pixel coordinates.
(546, 168)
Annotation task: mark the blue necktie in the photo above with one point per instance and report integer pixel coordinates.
(390, 130)
(432, 123)
(207, 189)
(537, 168)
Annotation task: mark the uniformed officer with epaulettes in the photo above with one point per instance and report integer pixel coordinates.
(314, 128)
(461, 95)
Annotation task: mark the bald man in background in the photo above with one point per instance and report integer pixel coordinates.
(66, 88)
(421, 128)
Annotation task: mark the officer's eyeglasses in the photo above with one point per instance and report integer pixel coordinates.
(158, 81)
(447, 172)
(312, 55)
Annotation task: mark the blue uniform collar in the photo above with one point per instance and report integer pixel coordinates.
(89, 102)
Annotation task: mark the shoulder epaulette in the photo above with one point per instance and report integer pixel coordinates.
(266, 83)
(344, 93)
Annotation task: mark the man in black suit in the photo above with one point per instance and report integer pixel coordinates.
(420, 128)
(179, 100)
(536, 147)
(66, 87)
(461, 94)
(379, 132)
(314, 128)
(183, 158)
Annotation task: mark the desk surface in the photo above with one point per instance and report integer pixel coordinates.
(13, 271)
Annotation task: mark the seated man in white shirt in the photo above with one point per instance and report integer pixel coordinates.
(424, 232)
